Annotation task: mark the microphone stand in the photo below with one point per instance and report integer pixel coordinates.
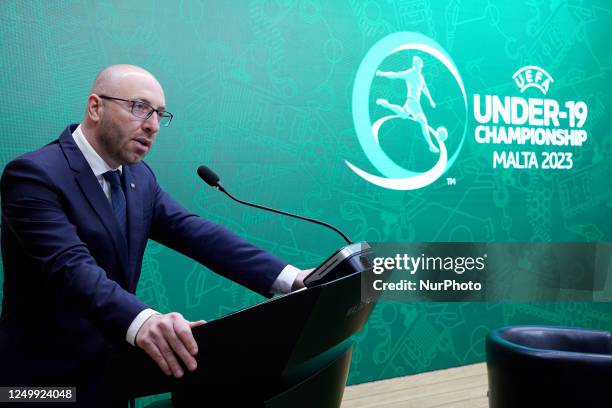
(221, 188)
(352, 258)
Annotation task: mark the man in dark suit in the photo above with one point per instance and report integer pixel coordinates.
(76, 217)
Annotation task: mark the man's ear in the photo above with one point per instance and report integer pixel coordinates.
(94, 108)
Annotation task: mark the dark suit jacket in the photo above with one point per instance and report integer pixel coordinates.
(70, 276)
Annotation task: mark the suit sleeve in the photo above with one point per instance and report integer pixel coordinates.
(32, 209)
(213, 245)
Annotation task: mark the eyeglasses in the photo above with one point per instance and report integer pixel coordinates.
(143, 110)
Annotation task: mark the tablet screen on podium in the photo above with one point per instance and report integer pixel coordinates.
(347, 260)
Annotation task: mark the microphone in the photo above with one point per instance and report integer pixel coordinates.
(211, 178)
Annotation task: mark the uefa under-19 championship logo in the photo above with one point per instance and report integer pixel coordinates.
(411, 115)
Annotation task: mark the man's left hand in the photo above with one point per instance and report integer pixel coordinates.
(298, 283)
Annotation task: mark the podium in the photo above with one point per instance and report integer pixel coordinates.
(290, 351)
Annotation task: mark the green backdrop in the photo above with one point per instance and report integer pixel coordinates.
(261, 91)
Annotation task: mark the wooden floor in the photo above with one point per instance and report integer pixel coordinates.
(461, 387)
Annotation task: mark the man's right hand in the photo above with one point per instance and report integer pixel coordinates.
(164, 337)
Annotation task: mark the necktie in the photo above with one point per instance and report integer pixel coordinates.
(117, 199)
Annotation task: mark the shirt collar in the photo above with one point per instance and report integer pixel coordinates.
(97, 163)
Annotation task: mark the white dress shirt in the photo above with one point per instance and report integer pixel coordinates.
(282, 284)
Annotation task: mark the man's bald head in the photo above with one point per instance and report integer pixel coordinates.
(114, 130)
(110, 79)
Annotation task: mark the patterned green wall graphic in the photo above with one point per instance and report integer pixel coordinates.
(261, 91)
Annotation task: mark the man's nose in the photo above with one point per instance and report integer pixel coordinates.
(151, 124)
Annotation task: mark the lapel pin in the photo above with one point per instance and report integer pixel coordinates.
(132, 185)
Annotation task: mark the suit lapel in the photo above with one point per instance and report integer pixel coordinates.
(93, 192)
(134, 216)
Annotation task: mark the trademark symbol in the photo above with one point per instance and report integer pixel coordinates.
(451, 181)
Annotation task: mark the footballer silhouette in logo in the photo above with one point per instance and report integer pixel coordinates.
(415, 84)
